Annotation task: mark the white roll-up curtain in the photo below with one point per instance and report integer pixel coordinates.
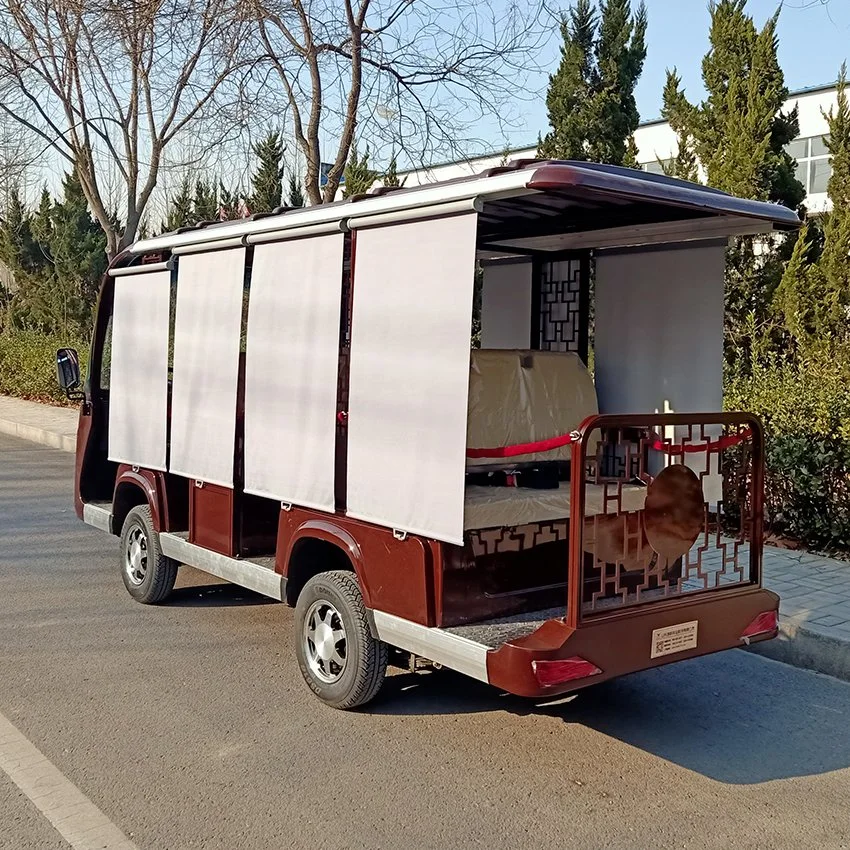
(206, 364)
(506, 305)
(291, 369)
(409, 379)
(138, 380)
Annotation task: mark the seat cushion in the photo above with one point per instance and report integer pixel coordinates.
(520, 396)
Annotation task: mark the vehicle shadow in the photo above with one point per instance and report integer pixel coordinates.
(733, 717)
(222, 595)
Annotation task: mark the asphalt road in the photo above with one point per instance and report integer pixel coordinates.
(188, 725)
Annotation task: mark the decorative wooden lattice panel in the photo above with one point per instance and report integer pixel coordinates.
(562, 304)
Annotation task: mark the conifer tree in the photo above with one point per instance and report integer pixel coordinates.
(267, 180)
(205, 202)
(231, 202)
(57, 256)
(294, 194)
(78, 248)
(359, 177)
(814, 295)
(590, 101)
(391, 177)
(739, 132)
(738, 135)
(180, 213)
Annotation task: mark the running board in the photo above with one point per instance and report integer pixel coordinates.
(452, 651)
(244, 573)
(98, 517)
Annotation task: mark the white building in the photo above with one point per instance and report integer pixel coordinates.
(656, 143)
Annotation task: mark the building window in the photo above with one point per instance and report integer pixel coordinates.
(656, 166)
(813, 164)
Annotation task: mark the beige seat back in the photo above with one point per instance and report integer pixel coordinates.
(518, 396)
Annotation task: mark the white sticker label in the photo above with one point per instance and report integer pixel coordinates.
(672, 639)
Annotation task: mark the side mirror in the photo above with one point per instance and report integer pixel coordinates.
(68, 371)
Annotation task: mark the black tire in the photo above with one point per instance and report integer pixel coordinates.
(156, 582)
(362, 674)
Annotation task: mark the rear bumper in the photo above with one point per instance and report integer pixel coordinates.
(621, 643)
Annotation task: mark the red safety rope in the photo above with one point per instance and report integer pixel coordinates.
(657, 444)
(712, 446)
(526, 448)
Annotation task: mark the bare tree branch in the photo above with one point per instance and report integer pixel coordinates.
(109, 84)
(410, 74)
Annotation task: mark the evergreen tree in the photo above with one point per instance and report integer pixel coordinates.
(57, 256)
(19, 249)
(267, 180)
(78, 248)
(391, 177)
(590, 101)
(814, 296)
(739, 132)
(205, 202)
(180, 212)
(679, 114)
(738, 135)
(294, 195)
(231, 202)
(359, 177)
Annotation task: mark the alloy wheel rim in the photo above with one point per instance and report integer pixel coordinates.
(136, 556)
(325, 643)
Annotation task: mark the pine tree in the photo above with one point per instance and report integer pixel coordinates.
(679, 114)
(391, 178)
(359, 177)
(205, 202)
(180, 212)
(57, 256)
(738, 135)
(294, 195)
(814, 296)
(78, 248)
(590, 101)
(739, 132)
(231, 204)
(267, 180)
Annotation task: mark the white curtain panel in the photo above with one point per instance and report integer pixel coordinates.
(506, 305)
(292, 363)
(409, 380)
(138, 381)
(206, 364)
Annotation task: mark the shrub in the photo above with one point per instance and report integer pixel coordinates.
(28, 364)
(805, 407)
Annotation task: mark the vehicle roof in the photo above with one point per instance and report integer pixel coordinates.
(567, 196)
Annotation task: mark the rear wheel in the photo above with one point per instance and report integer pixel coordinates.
(339, 659)
(148, 575)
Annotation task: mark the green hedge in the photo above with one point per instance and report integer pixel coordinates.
(28, 364)
(806, 411)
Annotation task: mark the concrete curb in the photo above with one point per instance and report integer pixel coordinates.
(65, 442)
(804, 645)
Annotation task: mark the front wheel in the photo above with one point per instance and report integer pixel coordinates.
(339, 659)
(148, 575)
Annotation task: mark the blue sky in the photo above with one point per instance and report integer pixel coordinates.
(814, 39)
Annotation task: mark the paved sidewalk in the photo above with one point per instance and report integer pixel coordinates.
(815, 591)
(39, 423)
(814, 611)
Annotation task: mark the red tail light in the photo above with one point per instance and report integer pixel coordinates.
(767, 621)
(563, 670)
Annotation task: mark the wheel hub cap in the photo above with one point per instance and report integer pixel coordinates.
(136, 556)
(325, 645)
